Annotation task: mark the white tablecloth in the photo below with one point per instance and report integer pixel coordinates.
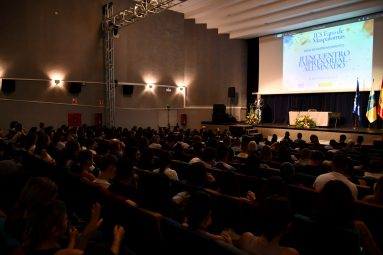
(321, 118)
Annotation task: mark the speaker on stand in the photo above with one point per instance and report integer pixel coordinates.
(231, 96)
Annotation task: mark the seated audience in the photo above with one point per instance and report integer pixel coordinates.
(198, 216)
(276, 213)
(36, 192)
(339, 167)
(48, 223)
(108, 168)
(165, 162)
(125, 181)
(222, 159)
(377, 197)
(336, 208)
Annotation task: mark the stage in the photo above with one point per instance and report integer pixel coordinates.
(325, 134)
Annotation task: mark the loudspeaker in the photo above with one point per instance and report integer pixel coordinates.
(74, 87)
(127, 90)
(8, 86)
(231, 92)
(219, 113)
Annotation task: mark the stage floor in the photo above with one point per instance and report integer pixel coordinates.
(325, 134)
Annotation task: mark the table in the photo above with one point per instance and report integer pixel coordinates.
(321, 118)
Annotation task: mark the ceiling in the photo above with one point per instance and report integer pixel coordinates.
(244, 19)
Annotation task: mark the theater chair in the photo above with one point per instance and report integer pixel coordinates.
(180, 240)
(312, 238)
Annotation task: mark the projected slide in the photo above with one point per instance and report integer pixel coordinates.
(328, 59)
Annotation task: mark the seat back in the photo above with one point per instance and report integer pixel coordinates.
(182, 168)
(313, 238)
(154, 191)
(181, 240)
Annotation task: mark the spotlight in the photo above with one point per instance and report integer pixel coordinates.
(180, 89)
(149, 86)
(57, 82)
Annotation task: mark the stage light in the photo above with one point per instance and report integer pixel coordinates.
(180, 89)
(150, 87)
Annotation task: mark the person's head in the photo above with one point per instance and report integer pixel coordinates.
(36, 191)
(305, 154)
(222, 152)
(198, 210)
(299, 135)
(108, 165)
(333, 143)
(287, 171)
(266, 153)
(124, 168)
(276, 213)
(336, 204)
(378, 190)
(72, 148)
(165, 160)
(287, 134)
(340, 162)
(314, 139)
(85, 158)
(251, 147)
(317, 157)
(46, 222)
(342, 138)
(197, 174)
(43, 140)
(208, 154)
(359, 139)
(274, 138)
(132, 153)
(276, 186)
(156, 139)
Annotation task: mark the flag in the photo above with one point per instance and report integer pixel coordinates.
(356, 107)
(371, 108)
(380, 105)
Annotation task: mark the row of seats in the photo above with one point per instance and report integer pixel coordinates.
(303, 198)
(147, 232)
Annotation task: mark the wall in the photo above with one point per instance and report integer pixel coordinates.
(45, 40)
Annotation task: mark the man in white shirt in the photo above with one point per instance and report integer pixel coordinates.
(340, 163)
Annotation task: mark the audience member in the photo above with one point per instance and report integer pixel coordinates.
(222, 159)
(339, 167)
(165, 162)
(276, 214)
(336, 208)
(125, 181)
(36, 192)
(108, 168)
(299, 142)
(377, 197)
(198, 216)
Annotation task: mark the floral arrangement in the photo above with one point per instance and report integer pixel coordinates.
(252, 118)
(305, 121)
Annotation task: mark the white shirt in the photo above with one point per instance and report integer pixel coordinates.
(322, 179)
(103, 183)
(172, 174)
